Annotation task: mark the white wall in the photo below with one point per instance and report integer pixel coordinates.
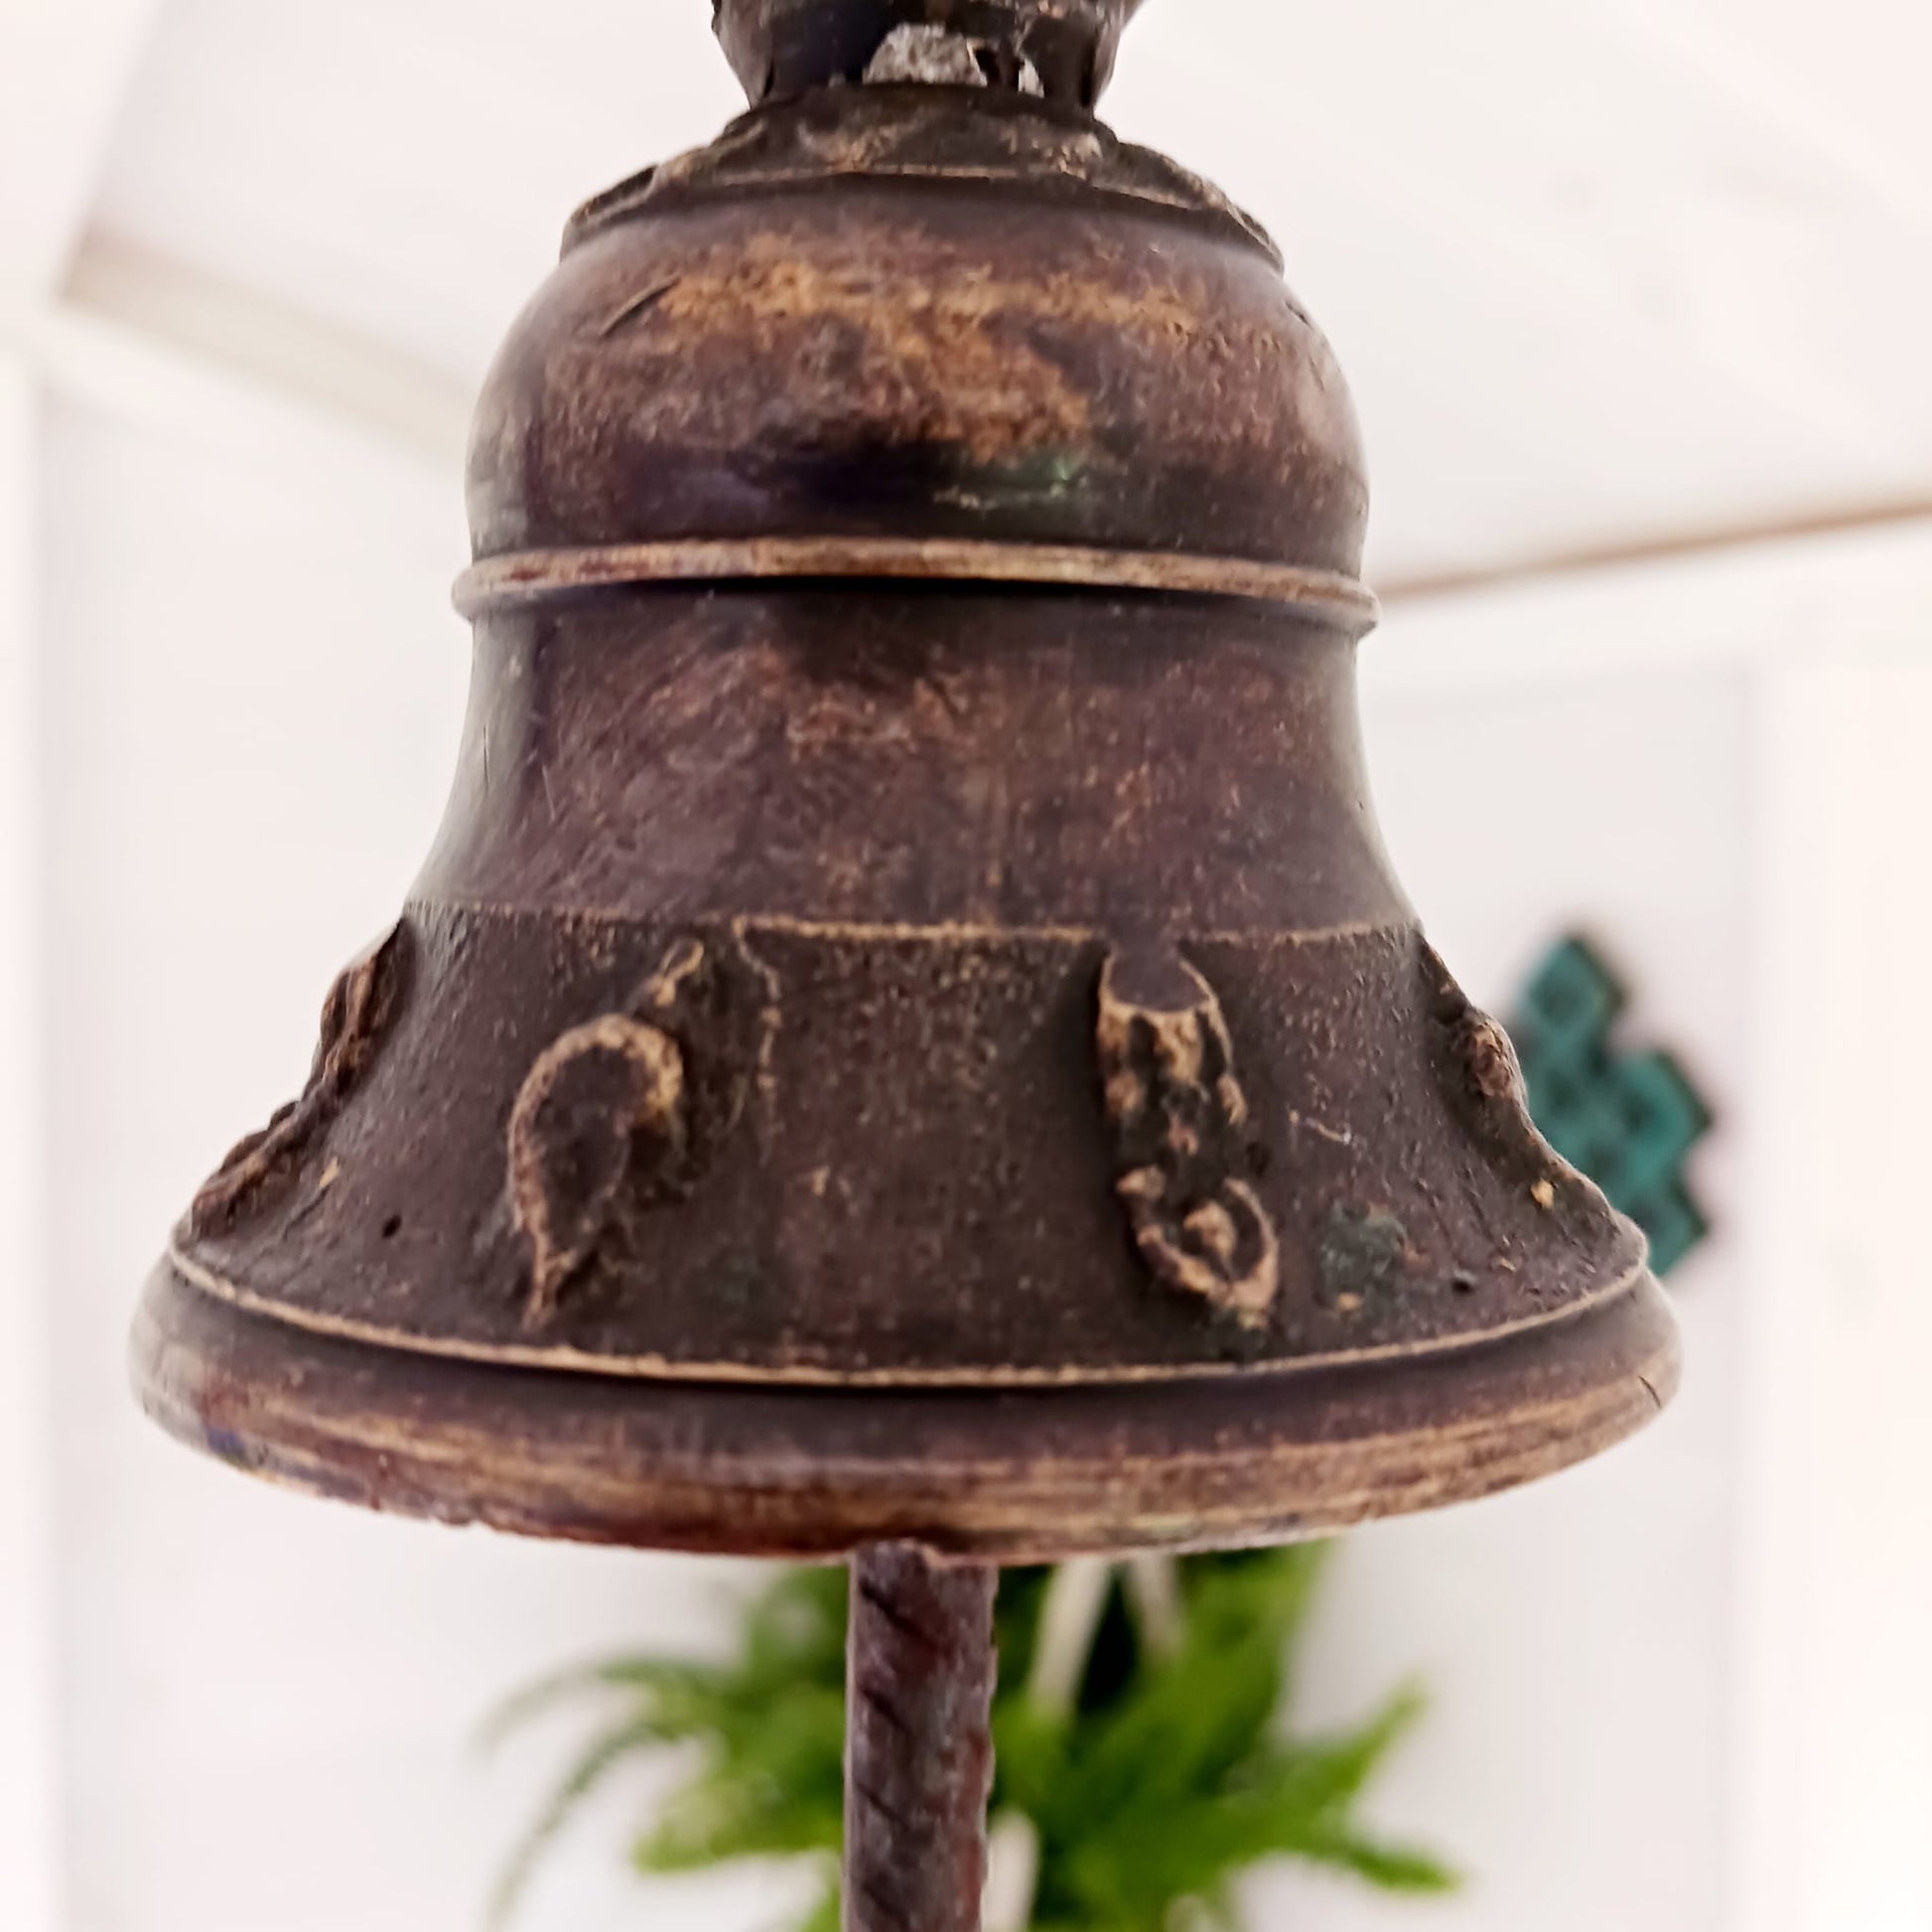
(27, 1727)
(249, 691)
(1855, 1517)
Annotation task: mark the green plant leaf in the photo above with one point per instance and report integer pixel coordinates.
(1166, 1781)
(1389, 1867)
(826, 1915)
(1184, 1723)
(797, 1626)
(609, 1750)
(716, 1823)
(1317, 1778)
(684, 1700)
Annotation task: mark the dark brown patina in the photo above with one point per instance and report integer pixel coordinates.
(908, 1034)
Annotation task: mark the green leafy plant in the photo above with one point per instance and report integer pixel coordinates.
(1144, 1758)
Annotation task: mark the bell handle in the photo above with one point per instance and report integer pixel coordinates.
(1061, 48)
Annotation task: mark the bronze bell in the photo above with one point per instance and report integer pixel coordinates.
(909, 1034)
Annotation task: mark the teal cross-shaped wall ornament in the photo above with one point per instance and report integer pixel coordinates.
(1628, 1120)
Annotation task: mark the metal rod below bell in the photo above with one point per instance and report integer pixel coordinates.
(918, 1742)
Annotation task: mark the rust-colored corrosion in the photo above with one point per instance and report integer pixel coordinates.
(908, 1040)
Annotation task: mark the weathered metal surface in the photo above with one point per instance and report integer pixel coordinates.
(908, 1030)
(910, 831)
(783, 47)
(898, 312)
(913, 134)
(918, 1743)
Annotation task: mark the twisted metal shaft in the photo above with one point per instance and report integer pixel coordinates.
(918, 1751)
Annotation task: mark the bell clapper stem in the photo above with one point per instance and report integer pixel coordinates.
(919, 1767)
(918, 1749)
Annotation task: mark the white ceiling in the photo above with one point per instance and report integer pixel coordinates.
(1603, 272)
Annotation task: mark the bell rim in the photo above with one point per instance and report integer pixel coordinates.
(813, 1473)
(561, 1359)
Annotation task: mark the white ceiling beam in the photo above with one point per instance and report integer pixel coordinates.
(1913, 516)
(154, 342)
(65, 65)
(1843, 591)
(257, 342)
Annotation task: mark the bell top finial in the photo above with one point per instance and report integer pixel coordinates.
(1061, 48)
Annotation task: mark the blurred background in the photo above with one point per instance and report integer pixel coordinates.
(1635, 296)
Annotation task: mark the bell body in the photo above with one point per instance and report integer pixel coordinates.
(908, 1030)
